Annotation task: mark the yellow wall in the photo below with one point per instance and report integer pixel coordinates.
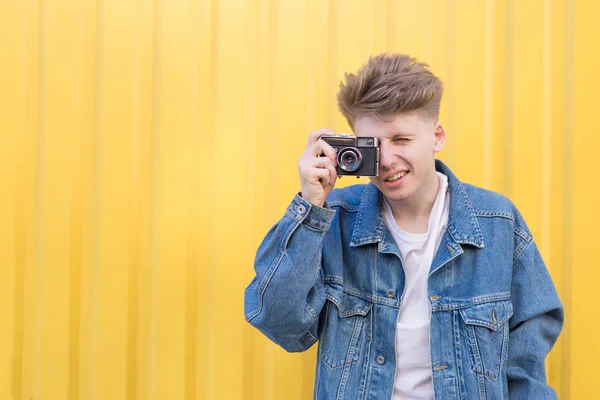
(147, 146)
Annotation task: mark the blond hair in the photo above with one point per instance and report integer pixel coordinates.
(388, 85)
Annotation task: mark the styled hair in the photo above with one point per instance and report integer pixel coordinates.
(389, 85)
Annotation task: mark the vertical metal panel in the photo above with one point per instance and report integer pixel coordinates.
(566, 229)
(84, 362)
(566, 246)
(206, 302)
(147, 147)
(585, 199)
(11, 286)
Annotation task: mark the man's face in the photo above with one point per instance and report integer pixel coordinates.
(408, 144)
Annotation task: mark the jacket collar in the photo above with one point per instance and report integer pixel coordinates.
(462, 221)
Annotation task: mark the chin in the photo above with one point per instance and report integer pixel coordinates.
(393, 194)
(396, 196)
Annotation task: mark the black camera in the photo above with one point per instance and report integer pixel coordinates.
(357, 156)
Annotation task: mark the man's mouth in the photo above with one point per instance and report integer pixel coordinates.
(396, 176)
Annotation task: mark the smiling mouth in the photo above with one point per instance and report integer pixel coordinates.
(396, 176)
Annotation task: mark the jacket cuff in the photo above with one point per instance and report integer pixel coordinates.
(316, 217)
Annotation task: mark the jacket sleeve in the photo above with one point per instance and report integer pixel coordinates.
(286, 296)
(537, 320)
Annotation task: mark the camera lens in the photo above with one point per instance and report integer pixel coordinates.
(349, 159)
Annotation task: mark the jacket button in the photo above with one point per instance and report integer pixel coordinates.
(390, 293)
(380, 360)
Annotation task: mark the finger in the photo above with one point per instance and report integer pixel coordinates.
(332, 174)
(314, 136)
(323, 174)
(306, 166)
(322, 147)
(319, 162)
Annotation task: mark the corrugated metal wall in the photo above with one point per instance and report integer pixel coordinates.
(147, 146)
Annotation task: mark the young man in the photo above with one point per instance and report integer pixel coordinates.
(416, 286)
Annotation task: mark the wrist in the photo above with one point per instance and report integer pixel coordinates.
(314, 202)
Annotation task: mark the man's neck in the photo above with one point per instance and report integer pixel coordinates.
(412, 215)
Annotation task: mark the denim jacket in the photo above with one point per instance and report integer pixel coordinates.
(334, 275)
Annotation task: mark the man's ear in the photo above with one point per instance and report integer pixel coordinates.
(440, 137)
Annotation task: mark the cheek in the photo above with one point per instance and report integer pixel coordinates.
(411, 153)
(419, 157)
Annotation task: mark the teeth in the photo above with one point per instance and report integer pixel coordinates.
(397, 176)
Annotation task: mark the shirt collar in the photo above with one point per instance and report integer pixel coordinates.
(462, 221)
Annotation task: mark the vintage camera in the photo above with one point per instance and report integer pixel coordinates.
(356, 156)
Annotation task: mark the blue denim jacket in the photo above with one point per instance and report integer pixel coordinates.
(334, 275)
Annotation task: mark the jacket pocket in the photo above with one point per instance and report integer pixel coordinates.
(486, 333)
(343, 335)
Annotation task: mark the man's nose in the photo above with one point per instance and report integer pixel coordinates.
(386, 156)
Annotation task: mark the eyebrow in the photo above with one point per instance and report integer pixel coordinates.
(402, 134)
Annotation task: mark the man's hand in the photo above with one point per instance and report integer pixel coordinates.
(317, 174)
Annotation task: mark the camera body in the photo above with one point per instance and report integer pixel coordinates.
(356, 156)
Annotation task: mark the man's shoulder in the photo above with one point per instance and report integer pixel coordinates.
(348, 197)
(489, 203)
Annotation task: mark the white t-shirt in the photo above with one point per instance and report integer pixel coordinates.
(413, 378)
